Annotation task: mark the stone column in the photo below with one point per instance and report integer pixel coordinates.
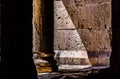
(44, 23)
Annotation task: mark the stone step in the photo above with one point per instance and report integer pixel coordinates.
(71, 58)
(74, 58)
(68, 68)
(68, 60)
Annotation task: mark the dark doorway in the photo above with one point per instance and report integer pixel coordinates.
(17, 40)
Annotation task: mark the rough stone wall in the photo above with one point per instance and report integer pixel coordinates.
(91, 26)
(92, 19)
(67, 42)
(66, 36)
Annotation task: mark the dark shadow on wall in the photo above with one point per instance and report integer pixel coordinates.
(17, 40)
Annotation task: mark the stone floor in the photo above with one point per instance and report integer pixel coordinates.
(73, 72)
(72, 75)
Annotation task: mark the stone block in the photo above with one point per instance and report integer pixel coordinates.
(101, 58)
(101, 61)
(94, 61)
(68, 68)
(89, 13)
(62, 20)
(72, 10)
(104, 61)
(72, 60)
(67, 40)
(72, 57)
(95, 16)
(95, 39)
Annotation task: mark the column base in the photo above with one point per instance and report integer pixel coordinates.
(47, 63)
(44, 69)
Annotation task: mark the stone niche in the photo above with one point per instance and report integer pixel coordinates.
(82, 33)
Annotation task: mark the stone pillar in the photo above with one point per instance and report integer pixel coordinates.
(44, 23)
(71, 53)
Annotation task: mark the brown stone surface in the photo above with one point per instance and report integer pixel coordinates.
(94, 61)
(104, 61)
(62, 20)
(67, 40)
(96, 39)
(95, 16)
(101, 61)
(92, 20)
(74, 61)
(43, 24)
(72, 58)
(99, 57)
(72, 10)
(91, 13)
(36, 40)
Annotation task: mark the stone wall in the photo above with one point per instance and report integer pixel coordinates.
(82, 25)
(92, 19)
(70, 50)
(66, 36)
(68, 46)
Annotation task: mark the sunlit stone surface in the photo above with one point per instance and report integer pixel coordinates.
(81, 26)
(62, 19)
(70, 51)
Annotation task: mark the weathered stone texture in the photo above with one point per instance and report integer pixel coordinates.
(95, 39)
(36, 40)
(67, 40)
(62, 19)
(71, 57)
(94, 22)
(95, 16)
(94, 26)
(93, 19)
(83, 25)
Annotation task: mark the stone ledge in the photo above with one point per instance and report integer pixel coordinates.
(68, 68)
(96, 58)
(72, 75)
